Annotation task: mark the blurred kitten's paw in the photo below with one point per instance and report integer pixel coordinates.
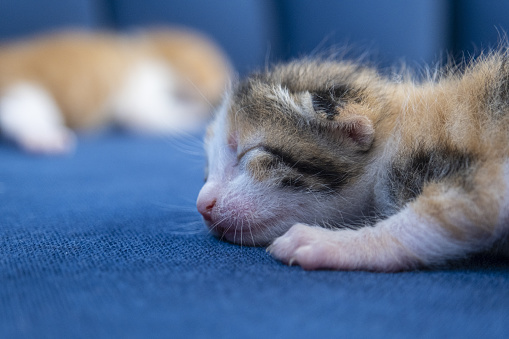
(30, 117)
(59, 141)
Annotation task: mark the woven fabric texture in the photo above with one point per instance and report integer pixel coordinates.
(107, 244)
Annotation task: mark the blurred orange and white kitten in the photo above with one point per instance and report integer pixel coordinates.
(159, 81)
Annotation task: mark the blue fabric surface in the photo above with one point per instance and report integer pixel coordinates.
(28, 17)
(414, 31)
(245, 29)
(107, 244)
(479, 24)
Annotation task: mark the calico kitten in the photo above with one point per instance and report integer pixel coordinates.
(338, 167)
(159, 81)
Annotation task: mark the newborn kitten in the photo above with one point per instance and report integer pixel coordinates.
(338, 167)
(162, 81)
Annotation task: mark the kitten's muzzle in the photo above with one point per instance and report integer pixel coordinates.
(234, 218)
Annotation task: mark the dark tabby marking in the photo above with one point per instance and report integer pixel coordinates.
(326, 105)
(408, 179)
(326, 102)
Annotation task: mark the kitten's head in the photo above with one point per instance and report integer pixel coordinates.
(289, 146)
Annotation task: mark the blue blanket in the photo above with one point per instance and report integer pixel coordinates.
(107, 244)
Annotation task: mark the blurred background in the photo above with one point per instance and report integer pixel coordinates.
(254, 32)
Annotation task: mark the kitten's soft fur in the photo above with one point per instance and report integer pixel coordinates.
(162, 81)
(339, 167)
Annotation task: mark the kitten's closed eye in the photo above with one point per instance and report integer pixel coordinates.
(294, 170)
(269, 156)
(247, 150)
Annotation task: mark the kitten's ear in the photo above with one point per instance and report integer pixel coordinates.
(343, 117)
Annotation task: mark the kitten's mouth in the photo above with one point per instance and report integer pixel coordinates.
(242, 234)
(234, 235)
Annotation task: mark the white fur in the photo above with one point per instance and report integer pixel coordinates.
(218, 153)
(147, 101)
(424, 241)
(283, 96)
(30, 117)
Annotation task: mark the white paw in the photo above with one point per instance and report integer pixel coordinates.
(60, 141)
(306, 246)
(30, 117)
(368, 248)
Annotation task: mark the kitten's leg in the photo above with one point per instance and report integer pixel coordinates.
(30, 117)
(447, 221)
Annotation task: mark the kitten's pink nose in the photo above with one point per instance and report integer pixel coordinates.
(206, 202)
(205, 208)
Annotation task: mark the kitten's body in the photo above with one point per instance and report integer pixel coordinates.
(398, 174)
(84, 80)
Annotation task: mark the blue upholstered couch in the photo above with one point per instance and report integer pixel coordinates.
(107, 243)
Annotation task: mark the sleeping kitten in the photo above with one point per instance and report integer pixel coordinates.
(162, 81)
(338, 167)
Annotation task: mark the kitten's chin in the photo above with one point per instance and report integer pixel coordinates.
(247, 235)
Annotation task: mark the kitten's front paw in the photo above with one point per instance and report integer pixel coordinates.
(368, 248)
(306, 246)
(47, 142)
